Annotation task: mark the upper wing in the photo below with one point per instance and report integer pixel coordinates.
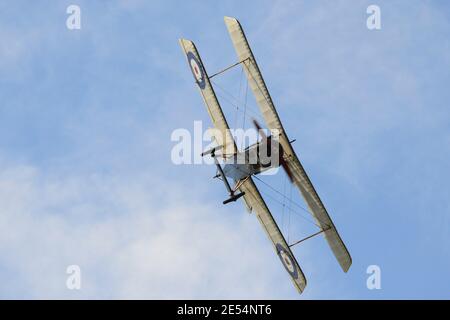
(252, 197)
(209, 97)
(256, 203)
(272, 120)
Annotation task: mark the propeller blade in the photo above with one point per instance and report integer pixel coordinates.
(258, 127)
(282, 161)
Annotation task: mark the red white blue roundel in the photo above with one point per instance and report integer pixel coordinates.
(287, 260)
(197, 70)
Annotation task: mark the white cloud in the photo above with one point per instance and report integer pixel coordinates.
(132, 238)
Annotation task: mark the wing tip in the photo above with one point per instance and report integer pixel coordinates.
(182, 40)
(186, 43)
(346, 267)
(302, 288)
(230, 20)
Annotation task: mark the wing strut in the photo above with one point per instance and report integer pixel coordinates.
(308, 237)
(228, 68)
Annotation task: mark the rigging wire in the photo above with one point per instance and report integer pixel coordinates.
(269, 102)
(234, 104)
(231, 96)
(245, 110)
(290, 201)
(284, 197)
(239, 99)
(280, 203)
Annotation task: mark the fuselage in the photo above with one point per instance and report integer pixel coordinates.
(255, 159)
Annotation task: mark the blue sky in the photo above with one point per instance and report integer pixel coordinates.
(85, 170)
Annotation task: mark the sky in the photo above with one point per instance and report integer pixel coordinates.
(86, 176)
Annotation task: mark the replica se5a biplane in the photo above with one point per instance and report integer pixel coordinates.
(242, 173)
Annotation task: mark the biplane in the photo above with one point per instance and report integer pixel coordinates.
(241, 173)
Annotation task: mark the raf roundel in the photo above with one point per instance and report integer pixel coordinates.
(287, 260)
(197, 70)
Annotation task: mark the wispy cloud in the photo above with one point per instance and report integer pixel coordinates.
(130, 238)
(85, 171)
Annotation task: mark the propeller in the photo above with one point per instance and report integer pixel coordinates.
(283, 162)
(260, 131)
